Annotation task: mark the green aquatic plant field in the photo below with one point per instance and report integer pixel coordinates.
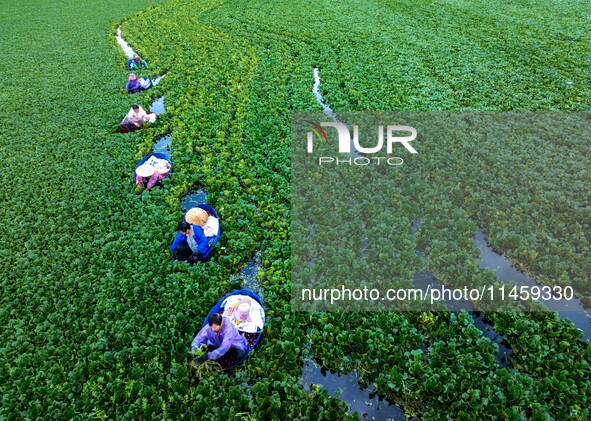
(96, 319)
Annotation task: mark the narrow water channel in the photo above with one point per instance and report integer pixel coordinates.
(193, 199)
(425, 279)
(316, 91)
(127, 50)
(157, 80)
(504, 270)
(248, 276)
(365, 401)
(163, 146)
(327, 110)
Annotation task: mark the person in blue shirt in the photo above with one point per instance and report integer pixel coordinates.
(190, 243)
(136, 62)
(198, 234)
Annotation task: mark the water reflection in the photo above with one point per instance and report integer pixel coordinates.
(504, 270)
(248, 275)
(158, 106)
(365, 401)
(194, 199)
(425, 280)
(163, 146)
(127, 50)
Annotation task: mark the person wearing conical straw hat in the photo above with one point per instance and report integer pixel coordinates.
(205, 220)
(192, 242)
(151, 172)
(196, 216)
(143, 174)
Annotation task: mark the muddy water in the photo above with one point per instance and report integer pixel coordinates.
(363, 400)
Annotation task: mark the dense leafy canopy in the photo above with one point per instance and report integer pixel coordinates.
(97, 321)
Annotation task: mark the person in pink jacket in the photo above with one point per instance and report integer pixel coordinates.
(135, 118)
(148, 175)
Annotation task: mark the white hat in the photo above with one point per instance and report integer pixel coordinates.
(163, 168)
(145, 170)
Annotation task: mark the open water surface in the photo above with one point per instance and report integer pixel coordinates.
(163, 146)
(193, 199)
(157, 80)
(158, 106)
(248, 276)
(504, 270)
(127, 50)
(425, 279)
(363, 400)
(572, 310)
